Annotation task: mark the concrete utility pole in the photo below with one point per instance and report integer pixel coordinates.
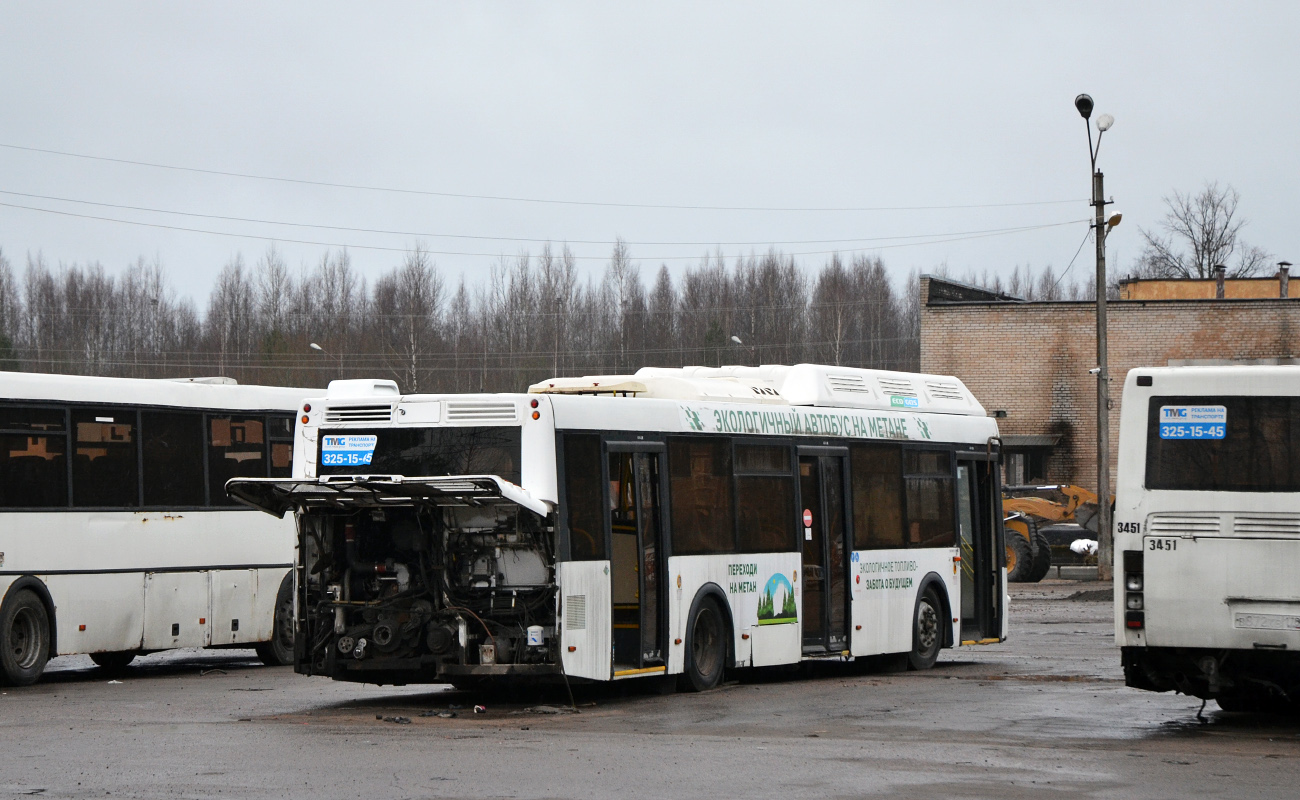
(1105, 535)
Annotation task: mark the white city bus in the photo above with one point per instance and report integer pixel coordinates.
(1207, 534)
(116, 533)
(671, 522)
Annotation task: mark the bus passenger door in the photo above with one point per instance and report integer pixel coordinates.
(825, 562)
(980, 573)
(636, 532)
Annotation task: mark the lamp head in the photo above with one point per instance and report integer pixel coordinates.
(736, 339)
(1084, 103)
(315, 346)
(1104, 122)
(1114, 220)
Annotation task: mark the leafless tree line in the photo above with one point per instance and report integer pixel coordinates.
(528, 318)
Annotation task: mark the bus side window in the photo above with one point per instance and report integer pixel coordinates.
(765, 499)
(236, 449)
(583, 497)
(105, 472)
(929, 486)
(279, 431)
(33, 457)
(699, 472)
(172, 470)
(877, 496)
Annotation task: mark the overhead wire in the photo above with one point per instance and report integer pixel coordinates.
(520, 199)
(938, 238)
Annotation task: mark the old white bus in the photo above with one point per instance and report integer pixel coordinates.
(116, 533)
(672, 522)
(1207, 534)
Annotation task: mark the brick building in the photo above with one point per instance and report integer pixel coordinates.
(1028, 362)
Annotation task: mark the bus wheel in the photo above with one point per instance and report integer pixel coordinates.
(114, 662)
(706, 647)
(1020, 558)
(279, 651)
(24, 638)
(927, 637)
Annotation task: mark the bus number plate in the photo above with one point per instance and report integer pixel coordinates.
(1162, 544)
(1129, 527)
(347, 451)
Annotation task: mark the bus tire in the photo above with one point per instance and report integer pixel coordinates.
(114, 662)
(1042, 563)
(1020, 557)
(927, 632)
(706, 646)
(279, 650)
(24, 638)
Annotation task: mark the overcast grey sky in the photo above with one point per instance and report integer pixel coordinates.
(748, 104)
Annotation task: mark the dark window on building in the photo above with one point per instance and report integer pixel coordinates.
(1259, 450)
(172, 470)
(877, 476)
(583, 498)
(33, 458)
(279, 430)
(104, 461)
(236, 449)
(929, 491)
(765, 511)
(700, 476)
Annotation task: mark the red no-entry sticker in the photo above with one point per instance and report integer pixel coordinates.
(807, 518)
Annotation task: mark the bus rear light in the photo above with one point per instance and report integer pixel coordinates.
(304, 419)
(1134, 620)
(1133, 583)
(533, 403)
(1133, 602)
(306, 407)
(537, 415)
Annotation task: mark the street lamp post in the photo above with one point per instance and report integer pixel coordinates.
(1105, 536)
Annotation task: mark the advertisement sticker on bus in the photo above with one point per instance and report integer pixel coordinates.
(1193, 422)
(349, 451)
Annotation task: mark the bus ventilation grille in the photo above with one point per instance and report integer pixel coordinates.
(371, 413)
(480, 411)
(944, 391)
(897, 386)
(1176, 524)
(575, 612)
(854, 384)
(1266, 526)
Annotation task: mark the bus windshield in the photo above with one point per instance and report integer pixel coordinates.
(1229, 443)
(437, 451)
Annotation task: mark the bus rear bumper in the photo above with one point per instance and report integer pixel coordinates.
(1212, 673)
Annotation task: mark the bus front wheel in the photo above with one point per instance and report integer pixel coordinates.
(927, 634)
(706, 647)
(24, 638)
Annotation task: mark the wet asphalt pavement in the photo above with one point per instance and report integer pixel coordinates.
(1045, 714)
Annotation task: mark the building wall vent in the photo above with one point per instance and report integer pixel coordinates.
(359, 413)
(481, 411)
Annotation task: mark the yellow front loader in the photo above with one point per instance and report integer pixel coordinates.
(1025, 509)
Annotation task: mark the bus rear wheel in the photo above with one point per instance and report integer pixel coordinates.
(24, 638)
(706, 647)
(279, 651)
(927, 635)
